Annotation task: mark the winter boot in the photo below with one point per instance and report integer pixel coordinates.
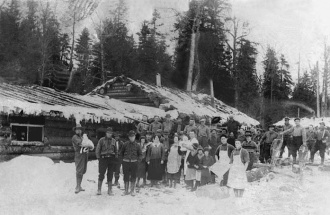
(99, 186)
(81, 189)
(77, 190)
(132, 188)
(171, 183)
(174, 184)
(110, 189)
(126, 189)
(322, 161)
(294, 160)
(197, 183)
(138, 183)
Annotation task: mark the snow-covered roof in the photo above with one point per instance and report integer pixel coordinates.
(305, 122)
(36, 99)
(188, 103)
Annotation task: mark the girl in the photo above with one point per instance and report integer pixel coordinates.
(198, 167)
(141, 173)
(239, 161)
(155, 159)
(206, 162)
(174, 162)
(191, 161)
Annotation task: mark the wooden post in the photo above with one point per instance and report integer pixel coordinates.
(298, 112)
(212, 92)
(158, 80)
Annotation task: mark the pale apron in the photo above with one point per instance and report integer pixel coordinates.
(222, 165)
(237, 176)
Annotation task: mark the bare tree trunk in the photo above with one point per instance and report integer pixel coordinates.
(191, 61)
(104, 73)
(325, 82)
(71, 55)
(212, 92)
(317, 91)
(197, 66)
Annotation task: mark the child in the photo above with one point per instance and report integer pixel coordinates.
(237, 176)
(206, 162)
(141, 172)
(198, 160)
(191, 169)
(174, 162)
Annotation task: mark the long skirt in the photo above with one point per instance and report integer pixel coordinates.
(141, 172)
(190, 174)
(81, 160)
(155, 170)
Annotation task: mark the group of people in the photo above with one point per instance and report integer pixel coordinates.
(163, 152)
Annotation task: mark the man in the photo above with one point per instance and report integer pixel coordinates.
(232, 125)
(106, 152)
(311, 136)
(251, 147)
(231, 139)
(190, 127)
(143, 127)
(214, 143)
(148, 137)
(131, 153)
(80, 157)
(179, 126)
(156, 125)
(266, 143)
(223, 154)
(118, 159)
(287, 138)
(322, 136)
(241, 135)
(203, 133)
(168, 124)
(298, 139)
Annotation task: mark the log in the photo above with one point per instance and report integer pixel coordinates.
(137, 120)
(257, 173)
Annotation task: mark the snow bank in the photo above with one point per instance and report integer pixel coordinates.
(36, 185)
(305, 122)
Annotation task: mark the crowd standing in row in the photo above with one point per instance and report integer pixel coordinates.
(163, 152)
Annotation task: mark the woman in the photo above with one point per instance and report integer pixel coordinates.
(198, 167)
(206, 162)
(174, 162)
(155, 159)
(191, 161)
(239, 161)
(141, 173)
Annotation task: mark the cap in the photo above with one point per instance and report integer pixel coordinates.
(297, 119)
(322, 123)
(223, 135)
(199, 148)
(215, 120)
(206, 149)
(248, 134)
(142, 137)
(214, 129)
(195, 145)
(149, 133)
(131, 133)
(286, 118)
(231, 116)
(109, 129)
(203, 119)
(166, 132)
(78, 127)
(168, 115)
(116, 134)
(271, 126)
(159, 131)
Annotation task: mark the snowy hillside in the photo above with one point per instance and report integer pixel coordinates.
(308, 121)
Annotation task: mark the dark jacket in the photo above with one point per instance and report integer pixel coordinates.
(250, 146)
(193, 160)
(232, 126)
(178, 127)
(106, 147)
(269, 137)
(214, 142)
(131, 152)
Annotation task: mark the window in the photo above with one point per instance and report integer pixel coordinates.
(27, 132)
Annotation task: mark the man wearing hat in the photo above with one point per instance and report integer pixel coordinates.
(322, 137)
(203, 133)
(156, 125)
(251, 148)
(190, 127)
(143, 126)
(168, 124)
(131, 153)
(287, 138)
(106, 152)
(80, 157)
(299, 138)
(232, 125)
(266, 143)
(178, 126)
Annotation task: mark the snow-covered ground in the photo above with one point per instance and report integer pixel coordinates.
(37, 185)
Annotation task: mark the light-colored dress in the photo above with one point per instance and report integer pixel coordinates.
(237, 175)
(189, 143)
(174, 160)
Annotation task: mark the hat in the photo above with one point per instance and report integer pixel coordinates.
(166, 132)
(271, 126)
(248, 134)
(159, 131)
(109, 129)
(181, 133)
(297, 119)
(286, 118)
(206, 149)
(202, 119)
(168, 115)
(195, 145)
(116, 134)
(142, 137)
(322, 123)
(215, 120)
(199, 148)
(149, 133)
(231, 117)
(224, 129)
(78, 127)
(214, 129)
(131, 133)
